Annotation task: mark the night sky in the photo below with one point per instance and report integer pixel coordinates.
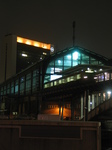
(50, 21)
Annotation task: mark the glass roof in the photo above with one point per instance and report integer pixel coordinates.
(70, 58)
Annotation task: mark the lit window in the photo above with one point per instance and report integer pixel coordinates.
(100, 69)
(109, 94)
(69, 56)
(44, 53)
(85, 77)
(59, 61)
(75, 55)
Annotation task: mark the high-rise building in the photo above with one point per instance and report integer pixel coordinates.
(18, 53)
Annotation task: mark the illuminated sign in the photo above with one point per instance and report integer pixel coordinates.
(33, 43)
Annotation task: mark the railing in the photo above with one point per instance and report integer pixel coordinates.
(106, 105)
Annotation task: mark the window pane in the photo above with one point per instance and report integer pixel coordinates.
(67, 61)
(93, 61)
(59, 62)
(85, 59)
(76, 58)
(16, 86)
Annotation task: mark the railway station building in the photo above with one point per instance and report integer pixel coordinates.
(69, 84)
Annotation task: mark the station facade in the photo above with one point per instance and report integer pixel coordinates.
(62, 84)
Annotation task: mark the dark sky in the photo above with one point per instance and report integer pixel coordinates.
(51, 21)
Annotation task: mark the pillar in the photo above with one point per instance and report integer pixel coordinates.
(82, 106)
(96, 99)
(93, 101)
(72, 109)
(86, 105)
(89, 100)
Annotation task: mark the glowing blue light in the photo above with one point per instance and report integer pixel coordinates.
(69, 56)
(75, 55)
(59, 61)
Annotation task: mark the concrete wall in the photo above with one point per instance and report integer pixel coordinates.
(46, 135)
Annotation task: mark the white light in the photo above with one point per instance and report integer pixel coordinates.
(58, 70)
(69, 56)
(100, 69)
(109, 92)
(59, 61)
(85, 77)
(44, 53)
(75, 55)
(89, 71)
(95, 78)
(52, 49)
(24, 55)
(54, 77)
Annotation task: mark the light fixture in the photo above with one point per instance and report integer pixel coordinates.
(85, 77)
(33, 43)
(44, 53)
(69, 56)
(109, 92)
(89, 71)
(101, 69)
(75, 55)
(24, 55)
(59, 61)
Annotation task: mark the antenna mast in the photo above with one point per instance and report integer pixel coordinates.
(73, 33)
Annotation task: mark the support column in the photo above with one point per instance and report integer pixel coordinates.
(97, 100)
(29, 105)
(23, 108)
(72, 109)
(93, 102)
(86, 105)
(82, 106)
(101, 97)
(60, 109)
(39, 103)
(89, 100)
(62, 112)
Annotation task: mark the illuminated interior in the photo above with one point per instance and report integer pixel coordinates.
(71, 59)
(33, 43)
(51, 110)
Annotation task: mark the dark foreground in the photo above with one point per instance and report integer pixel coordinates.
(49, 135)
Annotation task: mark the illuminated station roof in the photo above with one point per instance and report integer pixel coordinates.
(74, 58)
